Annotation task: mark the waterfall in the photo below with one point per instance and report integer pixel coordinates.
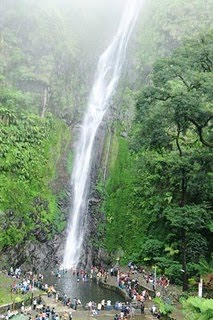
(106, 79)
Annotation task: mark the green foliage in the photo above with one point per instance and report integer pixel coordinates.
(117, 199)
(204, 267)
(159, 191)
(30, 148)
(198, 308)
(163, 25)
(5, 292)
(45, 56)
(164, 308)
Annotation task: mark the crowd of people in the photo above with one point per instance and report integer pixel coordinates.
(128, 281)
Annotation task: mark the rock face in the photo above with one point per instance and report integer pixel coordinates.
(35, 256)
(43, 253)
(93, 253)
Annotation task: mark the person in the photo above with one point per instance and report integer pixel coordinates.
(142, 308)
(22, 307)
(56, 297)
(48, 311)
(116, 317)
(39, 300)
(108, 306)
(132, 312)
(153, 310)
(53, 312)
(90, 305)
(34, 303)
(99, 307)
(8, 315)
(75, 304)
(94, 312)
(158, 315)
(70, 315)
(43, 315)
(103, 304)
(122, 315)
(65, 299)
(112, 271)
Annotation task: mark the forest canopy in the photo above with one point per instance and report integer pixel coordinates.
(160, 189)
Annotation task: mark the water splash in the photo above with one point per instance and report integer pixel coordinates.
(106, 79)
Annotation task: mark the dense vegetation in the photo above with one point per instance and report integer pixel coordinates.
(30, 150)
(157, 198)
(47, 51)
(158, 195)
(198, 309)
(32, 140)
(162, 27)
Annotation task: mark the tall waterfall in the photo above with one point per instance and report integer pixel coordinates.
(106, 79)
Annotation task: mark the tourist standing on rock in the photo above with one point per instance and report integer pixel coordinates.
(142, 308)
(22, 307)
(34, 303)
(53, 312)
(132, 312)
(112, 272)
(39, 300)
(57, 317)
(99, 307)
(75, 304)
(48, 311)
(56, 297)
(79, 302)
(154, 310)
(103, 304)
(8, 314)
(108, 306)
(90, 305)
(122, 315)
(65, 299)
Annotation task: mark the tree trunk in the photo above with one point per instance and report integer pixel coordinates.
(185, 276)
(182, 203)
(44, 104)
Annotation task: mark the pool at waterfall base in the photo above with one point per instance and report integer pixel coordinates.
(86, 291)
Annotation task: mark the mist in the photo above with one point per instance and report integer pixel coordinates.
(105, 151)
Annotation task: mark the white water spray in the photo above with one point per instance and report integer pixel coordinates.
(107, 76)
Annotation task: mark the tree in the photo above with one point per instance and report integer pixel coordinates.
(198, 308)
(173, 134)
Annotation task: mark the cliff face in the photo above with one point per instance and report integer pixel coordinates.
(43, 91)
(39, 220)
(91, 248)
(46, 72)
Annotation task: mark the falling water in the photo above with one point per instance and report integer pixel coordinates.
(107, 76)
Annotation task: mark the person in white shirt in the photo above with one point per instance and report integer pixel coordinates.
(108, 306)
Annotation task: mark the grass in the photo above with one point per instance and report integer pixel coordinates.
(5, 291)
